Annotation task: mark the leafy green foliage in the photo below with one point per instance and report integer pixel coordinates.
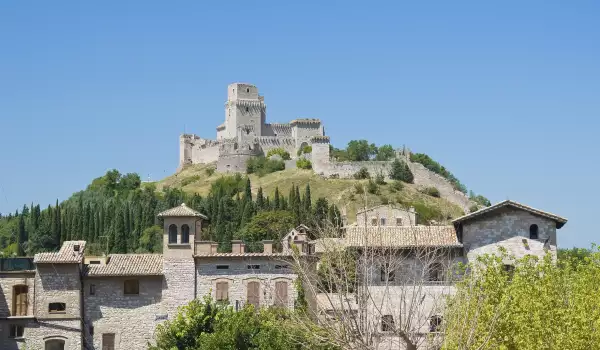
(425, 213)
(262, 166)
(380, 179)
(360, 150)
(191, 179)
(438, 169)
(401, 172)
(285, 155)
(303, 163)
(266, 225)
(396, 186)
(359, 188)
(151, 240)
(372, 187)
(362, 174)
(385, 152)
(210, 171)
(305, 150)
(431, 191)
(479, 199)
(473, 208)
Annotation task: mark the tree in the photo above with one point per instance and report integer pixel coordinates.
(260, 199)
(385, 152)
(120, 238)
(151, 240)
(276, 203)
(401, 172)
(21, 236)
(361, 150)
(266, 225)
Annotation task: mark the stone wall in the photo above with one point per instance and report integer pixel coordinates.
(346, 170)
(238, 275)
(389, 213)
(427, 178)
(8, 281)
(132, 318)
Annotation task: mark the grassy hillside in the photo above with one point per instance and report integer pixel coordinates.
(196, 179)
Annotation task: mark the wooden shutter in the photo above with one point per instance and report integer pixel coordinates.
(281, 293)
(253, 293)
(20, 301)
(222, 291)
(108, 341)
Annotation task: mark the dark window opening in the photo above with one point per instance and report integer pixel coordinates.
(57, 307)
(222, 267)
(173, 233)
(92, 289)
(247, 90)
(382, 221)
(59, 344)
(253, 267)
(108, 341)
(185, 234)
(94, 262)
(132, 287)
(435, 323)
(435, 273)
(533, 231)
(91, 330)
(277, 267)
(387, 273)
(16, 331)
(387, 323)
(247, 109)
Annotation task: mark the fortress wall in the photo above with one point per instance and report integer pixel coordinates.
(268, 143)
(205, 155)
(346, 170)
(277, 129)
(233, 163)
(427, 178)
(303, 133)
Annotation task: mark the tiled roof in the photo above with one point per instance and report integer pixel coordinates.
(401, 236)
(65, 255)
(182, 210)
(128, 265)
(382, 205)
(323, 245)
(560, 221)
(207, 255)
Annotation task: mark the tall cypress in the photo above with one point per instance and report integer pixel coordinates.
(21, 236)
(120, 245)
(260, 200)
(276, 204)
(306, 201)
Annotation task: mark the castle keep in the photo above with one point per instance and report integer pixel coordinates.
(245, 133)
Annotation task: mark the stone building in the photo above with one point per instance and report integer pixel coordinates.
(67, 300)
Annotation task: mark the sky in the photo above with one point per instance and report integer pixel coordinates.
(505, 94)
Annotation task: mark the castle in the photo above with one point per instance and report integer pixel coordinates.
(245, 133)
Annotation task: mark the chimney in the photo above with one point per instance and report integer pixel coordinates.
(237, 247)
(268, 247)
(204, 247)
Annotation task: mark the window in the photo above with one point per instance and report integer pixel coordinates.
(247, 90)
(387, 323)
(253, 267)
(281, 293)
(387, 273)
(222, 267)
(185, 234)
(279, 267)
(57, 308)
(57, 344)
(108, 341)
(253, 293)
(16, 331)
(398, 222)
(435, 323)
(435, 273)
(20, 300)
(533, 231)
(382, 221)
(222, 291)
(374, 222)
(247, 109)
(173, 234)
(92, 289)
(132, 287)
(94, 262)
(509, 269)
(91, 330)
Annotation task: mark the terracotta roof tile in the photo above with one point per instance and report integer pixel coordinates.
(65, 255)
(128, 265)
(401, 236)
(182, 210)
(559, 220)
(207, 255)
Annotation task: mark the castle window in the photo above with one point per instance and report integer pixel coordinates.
(387, 323)
(222, 291)
(247, 90)
(131, 287)
(281, 293)
(374, 222)
(247, 109)
(92, 289)
(253, 267)
(435, 323)
(533, 231)
(398, 222)
(59, 344)
(382, 221)
(222, 267)
(235, 146)
(20, 300)
(16, 331)
(57, 308)
(172, 234)
(108, 341)
(185, 233)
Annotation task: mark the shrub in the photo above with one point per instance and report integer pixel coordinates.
(189, 180)
(209, 171)
(431, 191)
(473, 208)
(362, 174)
(334, 176)
(384, 200)
(396, 186)
(372, 187)
(425, 213)
(479, 199)
(380, 179)
(285, 155)
(262, 166)
(358, 188)
(304, 163)
(400, 171)
(385, 152)
(304, 150)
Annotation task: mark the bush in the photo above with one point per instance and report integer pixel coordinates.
(362, 174)
(396, 186)
(380, 179)
(358, 188)
(285, 155)
(473, 208)
(189, 180)
(209, 171)
(384, 200)
(431, 191)
(425, 214)
(334, 176)
(401, 172)
(479, 199)
(262, 166)
(372, 187)
(303, 163)
(304, 150)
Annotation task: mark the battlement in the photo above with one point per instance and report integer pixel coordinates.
(319, 139)
(305, 121)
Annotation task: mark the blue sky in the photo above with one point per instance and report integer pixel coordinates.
(505, 94)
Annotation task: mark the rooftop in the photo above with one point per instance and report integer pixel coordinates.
(181, 211)
(401, 236)
(128, 265)
(70, 252)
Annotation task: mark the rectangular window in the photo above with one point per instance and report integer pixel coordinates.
(281, 293)
(94, 262)
(132, 287)
(436, 272)
(387, 273)
(16, 331)
(108, 341)
(222, 267)
(91, 330)
(374, 222)
(398, 222)
(92, 289)
(253, 267)
(222, 293)
(279, 267)
(20, 300)
(382, 221)
(387, 323)
(253, 293)
(57, 307)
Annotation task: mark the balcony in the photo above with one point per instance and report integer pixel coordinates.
(16, 264)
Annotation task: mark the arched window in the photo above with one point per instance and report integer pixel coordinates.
(173, 233)
(20, 300)
(55, 344)
(185, 233)
(533, 231)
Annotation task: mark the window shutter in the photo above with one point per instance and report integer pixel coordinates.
(108, 341)
(222, 291)
(281, 293)
(20, 301)
(253, 291)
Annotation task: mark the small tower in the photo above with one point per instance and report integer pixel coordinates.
(244, 107)
(181, 227)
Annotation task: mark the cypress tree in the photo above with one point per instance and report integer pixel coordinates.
(260, 200)
(276, 204)
(120, 245)
(248, 191)
(64, 227)
(21, 236)
(307, 202)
